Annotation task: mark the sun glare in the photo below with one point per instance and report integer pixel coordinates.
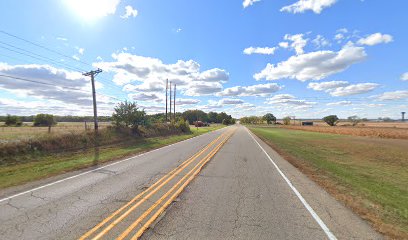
(90, 10)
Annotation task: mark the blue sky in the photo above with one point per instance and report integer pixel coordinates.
(307, 58)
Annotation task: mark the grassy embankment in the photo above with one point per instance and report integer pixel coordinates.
(368, 174)
(46, 165)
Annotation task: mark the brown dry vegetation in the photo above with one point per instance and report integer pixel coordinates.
(381, 132)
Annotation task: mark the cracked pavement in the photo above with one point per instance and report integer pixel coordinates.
(238, 195)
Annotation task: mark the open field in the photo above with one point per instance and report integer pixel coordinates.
(344, 123)
(54, 164)
(27, 131)
(381, 132)
(368, 174)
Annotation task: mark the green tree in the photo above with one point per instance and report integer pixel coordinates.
(12, 121)
(44, 120)
(286, 120)
(269, 118)
(194, 115)
(212, 117)
(128, 114)
(331, 120)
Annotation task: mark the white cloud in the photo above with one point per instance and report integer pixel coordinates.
(301, 6)
(230, 101)
(288, 99)
(326, 86)
(260, 50)
(284, 44)
(247, 3)
(396, 95)
(61, 84)
(203, 89)
(186, 101)
(141, 96)
(375, 39)
(320, 41)
(404, 77)
(130, 12)
(298, 42)
(313, 66)
(340, 103)
(353, 89)
(343, 88)
(76, 57)
(254, 90)
(148, 74)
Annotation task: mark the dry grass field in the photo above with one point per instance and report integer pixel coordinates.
(395, 130)
(27, 131)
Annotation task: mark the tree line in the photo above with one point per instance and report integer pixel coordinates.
(127, 114)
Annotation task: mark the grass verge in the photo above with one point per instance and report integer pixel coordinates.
(54, 164)
(368, 174)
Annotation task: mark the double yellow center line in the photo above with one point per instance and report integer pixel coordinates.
(117, 217)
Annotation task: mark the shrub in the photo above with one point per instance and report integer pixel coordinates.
(44, 120)
(286, 120)
(12, 121)
(128, 114)
(331, 120)
(184, 126)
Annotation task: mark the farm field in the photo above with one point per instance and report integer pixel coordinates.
(27, 131)
(345, 123)
(368, 174)
(366, 131)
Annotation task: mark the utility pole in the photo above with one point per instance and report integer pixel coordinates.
(174, 102)
(167, 86)
(170, 101)
(93, 74)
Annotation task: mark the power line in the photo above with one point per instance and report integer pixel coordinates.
(43, 47)
(54, 85)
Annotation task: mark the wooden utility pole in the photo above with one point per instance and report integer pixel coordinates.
(167, 86)
(93, 74)
(174, 102)
(170, 101)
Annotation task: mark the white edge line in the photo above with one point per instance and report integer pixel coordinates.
(329, 234)
(96, 169)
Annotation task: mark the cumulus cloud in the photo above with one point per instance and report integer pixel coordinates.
(129, 12)
(230, 101)
(353, 89)
(261, 90)
(298, 42)
(343, 88)
(314, 65)
(320, 41)
(396, 95)
(375, 39)
(340, 103)
(404, 77)
(327, 86)
(146, 74)
(186, 101)
(141, 96)
(260, 50)
(247, 3)
(301, 6)
(288, 99)
(58, 80)
(203, 88)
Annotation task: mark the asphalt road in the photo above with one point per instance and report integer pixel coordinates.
(226, 184)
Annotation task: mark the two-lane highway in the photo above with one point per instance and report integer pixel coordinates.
(222, 185)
